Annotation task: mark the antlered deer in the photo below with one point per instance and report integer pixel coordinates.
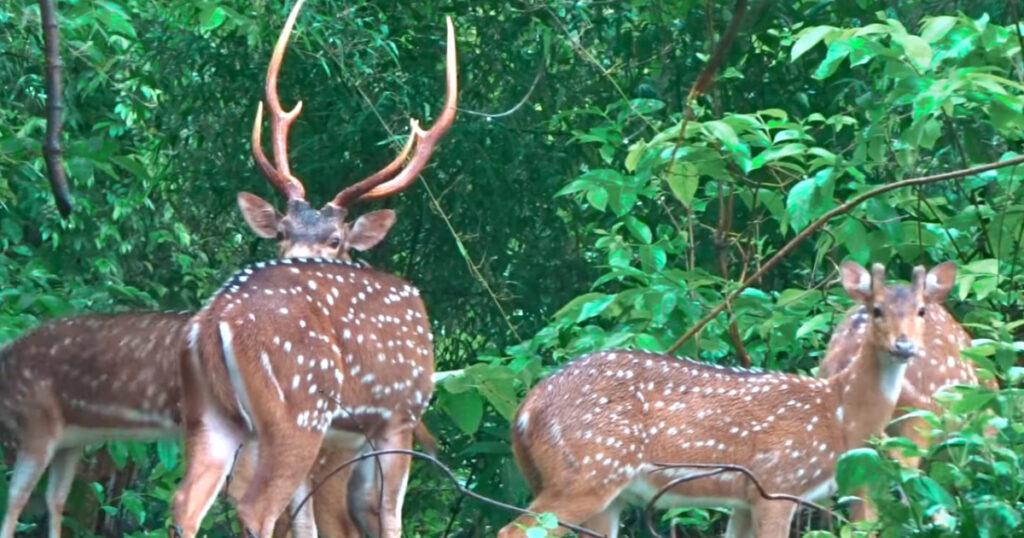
(295, 350)
(588, 438)
(83, 380)
(938, 365)
(104, 377)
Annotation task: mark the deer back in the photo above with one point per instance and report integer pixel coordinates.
(608, 417)
(319, 343)
(95, 372)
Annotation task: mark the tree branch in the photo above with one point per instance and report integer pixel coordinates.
(52, 149)
(814, 226)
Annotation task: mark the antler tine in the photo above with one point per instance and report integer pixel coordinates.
(382, 184)
(280, 176)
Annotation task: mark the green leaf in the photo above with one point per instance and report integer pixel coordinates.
(598, 197)
(639, 229)
(168, 452)
(212, 17)
(925, 487)
(594, 307)
(935, 28)
(807, 39)
(466, 409)
(837, 52)
(683, 181)
(723, 132)
(857, 468)
(917, 50)
(115, 19)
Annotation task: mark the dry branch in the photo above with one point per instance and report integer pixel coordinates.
(817, 224)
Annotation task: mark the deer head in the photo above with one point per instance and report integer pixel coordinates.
(305, 231)
(898, 312)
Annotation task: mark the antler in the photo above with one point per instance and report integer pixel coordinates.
(390, 180)
(280, 122)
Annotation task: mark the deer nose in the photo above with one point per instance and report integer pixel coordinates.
(904, 348)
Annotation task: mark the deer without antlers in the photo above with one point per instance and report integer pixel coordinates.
(589, 438)
(78, 381)
(938, 364)
(227, 408)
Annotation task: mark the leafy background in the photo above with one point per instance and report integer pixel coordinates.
(565, 212)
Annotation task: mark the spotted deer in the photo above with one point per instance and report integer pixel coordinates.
(938, 364)
(83, 380)
(589, 438)
(309, 350)
(104, 377)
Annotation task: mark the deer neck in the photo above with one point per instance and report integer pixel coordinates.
(868, 390)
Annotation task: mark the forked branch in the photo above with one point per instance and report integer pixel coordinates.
(817, 224)
(52, 149)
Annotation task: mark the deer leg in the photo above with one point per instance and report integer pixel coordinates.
(388, 494)
(285, 460)
(606, 522)
(741, 524)
(34, 455)
(210, 451)
(58, 485)
(772, 519)
(572, 503)
(303, 523)
(337, 496)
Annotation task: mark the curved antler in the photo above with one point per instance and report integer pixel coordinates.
(390, 180)
(280, 176)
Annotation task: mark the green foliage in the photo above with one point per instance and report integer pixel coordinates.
(587, 218)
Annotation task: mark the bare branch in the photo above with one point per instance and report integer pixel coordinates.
(450, 475)
(52, 149)
(814, 226)
(717, 469)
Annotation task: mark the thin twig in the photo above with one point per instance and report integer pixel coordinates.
(717, 469)
(814, 226)
(52, 149)
(514, 109)
(450, 475)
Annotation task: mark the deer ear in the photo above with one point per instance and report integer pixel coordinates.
(939, 282)
(259, 215)
(856, 281)
(370, 229)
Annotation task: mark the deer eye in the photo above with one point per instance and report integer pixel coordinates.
(279, 236)
(920, 311)
(877, 312)
(334, 242)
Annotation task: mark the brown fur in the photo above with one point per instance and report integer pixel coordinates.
(938, 365)
(589, 437)
(83, 380)
(317, 345)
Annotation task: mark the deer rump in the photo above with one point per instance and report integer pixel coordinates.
(315, 344)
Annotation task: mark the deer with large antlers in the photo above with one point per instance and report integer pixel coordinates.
(590, 438)
(310, 350)
(938, 365)
(105, 377)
